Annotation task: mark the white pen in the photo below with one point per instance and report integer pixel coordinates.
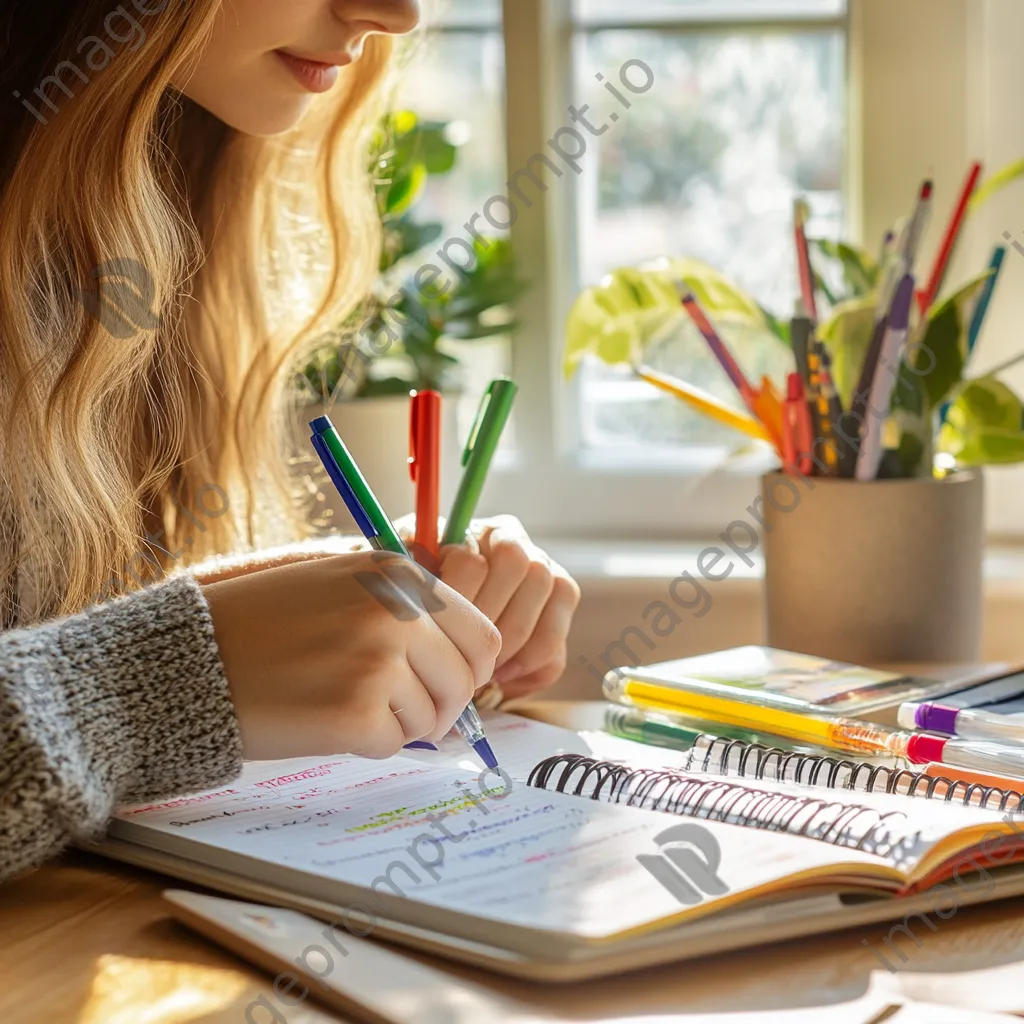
(971, 725)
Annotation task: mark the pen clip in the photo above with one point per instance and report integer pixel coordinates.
(353, 504)
(481, 415)
(416, 401)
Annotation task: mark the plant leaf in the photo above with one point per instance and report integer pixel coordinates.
(997, 183)
(985, 425)
(847, 332)
(615, 320)
(860, 269)
(938, 360)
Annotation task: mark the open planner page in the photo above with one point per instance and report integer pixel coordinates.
(462, 842)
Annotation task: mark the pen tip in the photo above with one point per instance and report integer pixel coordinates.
(483, 748)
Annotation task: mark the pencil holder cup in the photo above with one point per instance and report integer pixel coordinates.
(875, 573)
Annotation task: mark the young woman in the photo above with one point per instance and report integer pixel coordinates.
(211, 153)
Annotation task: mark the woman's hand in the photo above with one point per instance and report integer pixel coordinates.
(530, 598)
(358, 653)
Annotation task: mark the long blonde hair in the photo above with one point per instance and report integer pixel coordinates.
(254, 246)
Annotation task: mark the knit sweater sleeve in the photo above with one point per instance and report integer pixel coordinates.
(124, 702)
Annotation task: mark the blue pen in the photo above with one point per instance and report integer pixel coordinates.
(377, 529)
(980, 312)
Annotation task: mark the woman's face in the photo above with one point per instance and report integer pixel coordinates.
(267, 59)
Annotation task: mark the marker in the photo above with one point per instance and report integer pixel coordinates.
(491, 416)
(886, 373)
(798, 415)
(425, 465)
(371, 519)
(987, 757)
(848, 734)
(965, 722)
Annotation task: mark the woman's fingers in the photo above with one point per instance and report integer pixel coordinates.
(546, 647)
(463, 570)
(519, 620)
(509, 553)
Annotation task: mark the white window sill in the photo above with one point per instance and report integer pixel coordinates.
(619, 565)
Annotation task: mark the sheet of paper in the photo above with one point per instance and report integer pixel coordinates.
(465, 842)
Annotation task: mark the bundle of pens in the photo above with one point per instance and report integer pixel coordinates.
(814, 431)
(878, 388)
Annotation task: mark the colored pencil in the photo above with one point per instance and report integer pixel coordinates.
(704, 403)
(985, 299)
(980, 312)
(715, 343)
(927, 298)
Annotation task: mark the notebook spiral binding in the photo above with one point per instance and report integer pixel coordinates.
(842, 824)
(718, 755)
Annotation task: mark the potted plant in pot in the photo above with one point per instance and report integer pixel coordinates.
(363, 373)
(886, 569)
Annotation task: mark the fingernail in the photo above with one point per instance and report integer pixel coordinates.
(419, 745)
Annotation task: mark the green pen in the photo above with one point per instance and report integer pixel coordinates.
(354, 490)
(377, 529)
(491, 417)
(661, 729)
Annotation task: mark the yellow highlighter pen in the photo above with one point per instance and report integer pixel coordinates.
(844, 734)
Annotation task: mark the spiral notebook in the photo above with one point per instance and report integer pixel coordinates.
(443, 857)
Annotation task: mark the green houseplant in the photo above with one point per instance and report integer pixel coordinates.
(621, 320)
(406, 346)
(363, 371)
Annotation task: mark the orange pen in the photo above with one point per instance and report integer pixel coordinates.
(768, 408)
(425, 467)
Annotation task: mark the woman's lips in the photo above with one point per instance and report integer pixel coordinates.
(311, 74)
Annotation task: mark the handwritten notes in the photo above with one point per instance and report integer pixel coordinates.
(470, 843)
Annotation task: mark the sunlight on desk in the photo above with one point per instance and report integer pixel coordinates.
(129, 991)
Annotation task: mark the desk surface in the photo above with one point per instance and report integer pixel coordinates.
(85, 941)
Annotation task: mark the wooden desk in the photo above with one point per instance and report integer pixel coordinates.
(86, 941)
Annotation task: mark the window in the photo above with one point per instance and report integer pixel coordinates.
(754, 101)
(458, 76)
(739, 121)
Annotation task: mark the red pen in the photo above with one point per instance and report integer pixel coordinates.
(926, 299)
(425, 466)
(798, 418)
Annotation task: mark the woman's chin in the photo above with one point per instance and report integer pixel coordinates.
(270, 115)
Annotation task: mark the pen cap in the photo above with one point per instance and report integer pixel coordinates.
(906, 717)
(921, 749)
(931, 717)
(424, 424)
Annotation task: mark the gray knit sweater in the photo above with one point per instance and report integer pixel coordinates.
(124, 702)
